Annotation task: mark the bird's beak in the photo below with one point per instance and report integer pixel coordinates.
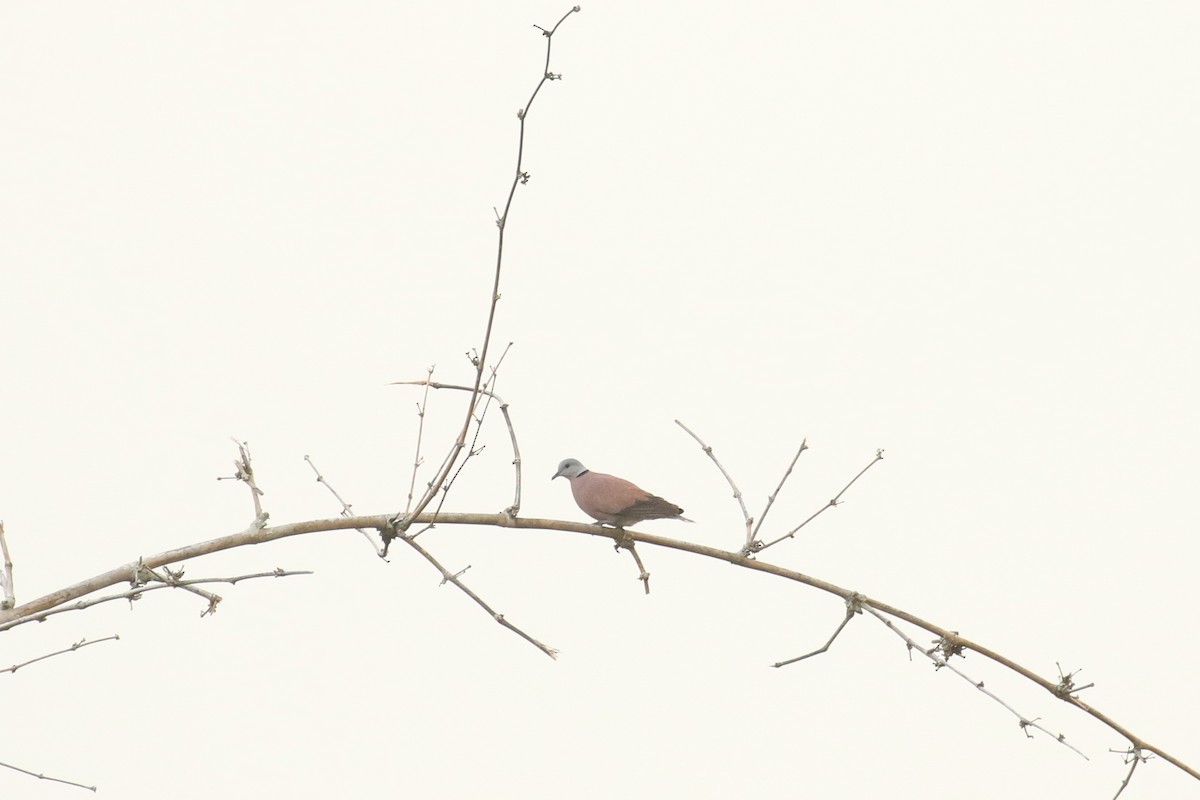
(556, 475)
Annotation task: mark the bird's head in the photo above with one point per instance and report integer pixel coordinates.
(569, 468)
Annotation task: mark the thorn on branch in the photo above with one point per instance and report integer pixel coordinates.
(446, 579)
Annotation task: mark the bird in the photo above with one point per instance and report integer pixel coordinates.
(613, 500)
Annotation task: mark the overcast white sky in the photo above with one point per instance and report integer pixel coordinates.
(963, 232)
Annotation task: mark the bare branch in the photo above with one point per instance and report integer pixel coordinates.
(420, 433)
(753, 540)
(737, 493)
(245, 473)
(389, 533)
(43, 777)
(174, 578)
(139, 589)
(42, 607)
(643, 575)
(950, 646)
(853, 606)
(347, 508)
(1133, 757)
(837, 499)
(473, 450)
(6, 577)
(515, 508)
(403, 521)
(82, 643)
(453, 578)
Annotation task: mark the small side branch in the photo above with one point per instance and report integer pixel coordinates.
(643, 575)
(513, 510)
(835, 501)
(42, 777)
(752, 543)
(737, 493)
(174, 578)
(1133, 757)
(939, 656)
(6, 577)
(82, 643)
(853, 606)
(450, 577)
(347, 510)
(421, 406)
(140, 589)
(389, 533)
(244, 472)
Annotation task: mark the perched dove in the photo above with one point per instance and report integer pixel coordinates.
(607, 498)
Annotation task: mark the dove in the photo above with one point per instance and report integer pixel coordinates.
(613, 500)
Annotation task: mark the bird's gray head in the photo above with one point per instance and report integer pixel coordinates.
(569, 468)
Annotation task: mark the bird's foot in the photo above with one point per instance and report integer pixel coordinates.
(621, 539)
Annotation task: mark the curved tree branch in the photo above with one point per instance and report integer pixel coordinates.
(950, 641)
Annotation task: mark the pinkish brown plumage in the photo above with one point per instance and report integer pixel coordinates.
(612, 500)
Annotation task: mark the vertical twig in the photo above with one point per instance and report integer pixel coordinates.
(420, 432)
(6, 578)
(753, 537)
(403, 521)
(245, 474)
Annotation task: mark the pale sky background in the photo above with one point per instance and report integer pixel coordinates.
(963, 232)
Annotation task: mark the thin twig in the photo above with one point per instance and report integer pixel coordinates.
(853, 606)
(347, 510)
(137, 592)
(935, 655)
(245, 473)
(1133, 756)
(43, 777)
(643, 575)
(472, 451)
(6, 578)
(837, 499)
(421, 406)
(402, 522)
(82, 643)
(737, 493)
(752, 540)
(448, 576)
(515, 508)
(512, 434)
(174, 578)
(390, 533)
(488, 391)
